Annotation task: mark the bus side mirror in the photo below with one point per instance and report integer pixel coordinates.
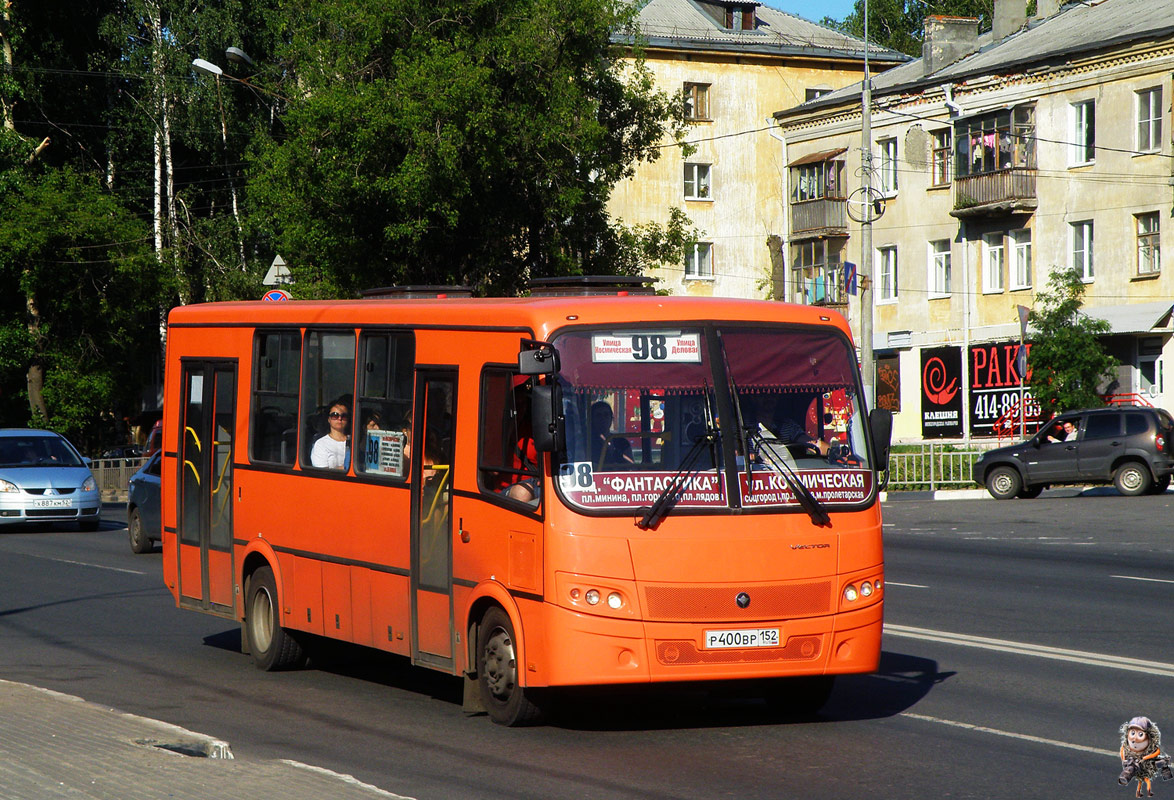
(880, 423)
(547, 422)
(537, 358)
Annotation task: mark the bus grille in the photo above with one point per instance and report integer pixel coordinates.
(716, 603)
(683, 652)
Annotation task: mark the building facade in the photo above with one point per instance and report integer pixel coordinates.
(734, 63)
(994, 161)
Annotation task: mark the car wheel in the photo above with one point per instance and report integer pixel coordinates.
(1132, 479)
(1160, 485)
(139, 541)
(1030, 492)
(1004, 483)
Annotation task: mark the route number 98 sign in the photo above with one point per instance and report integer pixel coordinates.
(650, 347)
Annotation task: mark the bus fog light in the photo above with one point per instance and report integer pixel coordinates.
(592, 597)
(614, 600)
(850, 593)
(866, 589)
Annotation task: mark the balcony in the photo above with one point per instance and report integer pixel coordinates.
(826, 215)
(992, 194)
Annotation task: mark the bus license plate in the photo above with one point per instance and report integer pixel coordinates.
(62, 503)
(761, 637)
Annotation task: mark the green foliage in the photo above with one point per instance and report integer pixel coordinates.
(900, 24)
(457, 141)
(84, 262)
(1068, 363)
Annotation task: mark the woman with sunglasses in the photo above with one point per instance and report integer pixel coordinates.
(332, 451)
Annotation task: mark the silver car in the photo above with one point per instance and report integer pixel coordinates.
(44, 479)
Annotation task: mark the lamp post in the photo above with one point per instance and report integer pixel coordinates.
(208, 68)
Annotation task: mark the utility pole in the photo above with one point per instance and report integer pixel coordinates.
(867, 367)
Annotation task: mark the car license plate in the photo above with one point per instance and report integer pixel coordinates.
(60, 503)
(760, 637)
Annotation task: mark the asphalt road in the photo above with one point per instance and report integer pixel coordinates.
(1019, 636)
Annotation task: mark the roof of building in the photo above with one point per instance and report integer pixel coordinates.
(1077, 29)
(683, 24)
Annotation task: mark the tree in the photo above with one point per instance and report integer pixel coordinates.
(457, 141)
(1068, 363)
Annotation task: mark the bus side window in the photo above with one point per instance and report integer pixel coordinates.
(276, 361)
(387, 364)
(328, 385)
(507, 460)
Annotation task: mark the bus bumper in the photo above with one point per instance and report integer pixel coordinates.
(584, 650)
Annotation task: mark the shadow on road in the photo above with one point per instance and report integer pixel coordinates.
(900, 683)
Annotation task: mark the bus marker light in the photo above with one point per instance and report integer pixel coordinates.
(575, 593)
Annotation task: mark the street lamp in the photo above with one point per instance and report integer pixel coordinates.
(208, 68)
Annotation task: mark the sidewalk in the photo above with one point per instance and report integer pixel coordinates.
(55, 745)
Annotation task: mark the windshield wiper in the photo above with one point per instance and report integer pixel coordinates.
(668, 497)
(807, 500)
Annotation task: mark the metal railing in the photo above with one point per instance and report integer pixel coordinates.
(930, 466)
(113, 476)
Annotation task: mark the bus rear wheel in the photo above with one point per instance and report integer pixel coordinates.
(271, 645)
(506, 702)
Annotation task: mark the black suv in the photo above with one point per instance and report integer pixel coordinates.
(1132, 446)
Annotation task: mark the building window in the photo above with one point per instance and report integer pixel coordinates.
(817, 181)
(740, 18)
(888, 165)
(814, 92)
(1082, 249)
(697, 101)
(1149, 119)
(992, 262)
(939, 268)
(699, 261)
(940, 163)
(1083, 135)
(886, 271)
(697, 182)
(997, 141)
(1020, 244)
(1149, 251)
(818, 273)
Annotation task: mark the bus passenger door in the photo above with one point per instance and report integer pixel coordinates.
(205, 477)
(432, 481)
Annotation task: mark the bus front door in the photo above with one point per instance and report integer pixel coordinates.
(205, 487)
(432, 481)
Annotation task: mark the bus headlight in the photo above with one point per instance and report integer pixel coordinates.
(850, 593)
(592, 597)
(866, 589)
(615, 600)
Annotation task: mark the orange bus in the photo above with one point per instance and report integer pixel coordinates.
(531, 493)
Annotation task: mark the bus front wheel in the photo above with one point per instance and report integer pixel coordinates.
(506, 702)
(271, 645)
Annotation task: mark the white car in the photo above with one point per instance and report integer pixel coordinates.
(43, 478)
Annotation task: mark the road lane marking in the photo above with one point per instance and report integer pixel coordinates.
(1011, 734)
(1136, 578)
(906, 585)
(76, 563)
(1036, 650)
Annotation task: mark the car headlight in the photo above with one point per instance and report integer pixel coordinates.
(90, 485)
(5, 486)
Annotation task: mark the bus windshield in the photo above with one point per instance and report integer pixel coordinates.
(642, 408)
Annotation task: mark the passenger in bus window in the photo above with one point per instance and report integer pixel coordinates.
(332, 451)
(790, 432)
(606, 449)
(525, 488)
